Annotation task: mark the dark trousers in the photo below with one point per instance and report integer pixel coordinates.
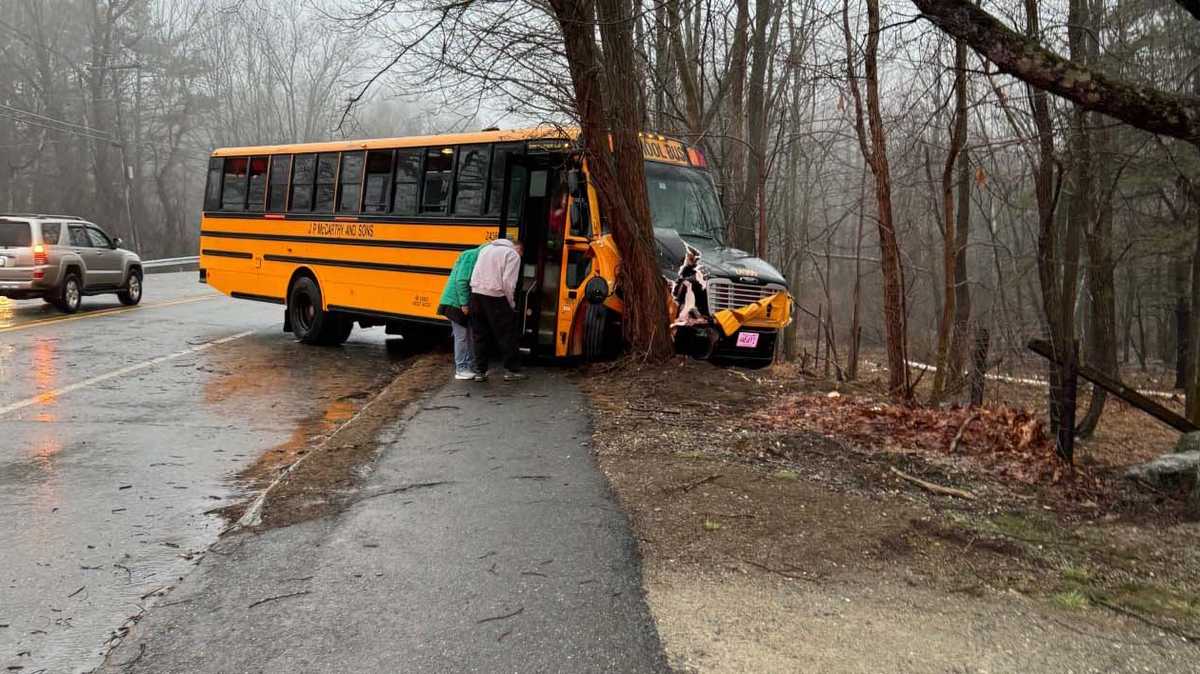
(495, 327)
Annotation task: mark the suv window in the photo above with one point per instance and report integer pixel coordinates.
(50, 233)
(99, 238)
(15, 234)
(79, 237)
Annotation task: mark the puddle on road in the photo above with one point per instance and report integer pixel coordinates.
(117, 498)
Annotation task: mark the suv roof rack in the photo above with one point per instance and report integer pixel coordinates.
(40, 215)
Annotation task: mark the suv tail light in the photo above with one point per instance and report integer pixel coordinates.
(39, 255)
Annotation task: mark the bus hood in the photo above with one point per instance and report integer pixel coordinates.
(717, 261)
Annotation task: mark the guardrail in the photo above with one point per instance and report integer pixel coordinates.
(170, 264)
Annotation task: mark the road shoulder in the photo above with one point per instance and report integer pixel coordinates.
(483, 539)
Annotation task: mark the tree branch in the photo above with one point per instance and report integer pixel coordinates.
(1139, 106)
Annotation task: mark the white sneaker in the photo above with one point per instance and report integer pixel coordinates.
(464, 376)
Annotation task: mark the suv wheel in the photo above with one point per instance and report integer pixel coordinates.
(70, 294)
(132, 294)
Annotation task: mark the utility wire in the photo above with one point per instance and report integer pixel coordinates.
(52, 120)
(91, 136)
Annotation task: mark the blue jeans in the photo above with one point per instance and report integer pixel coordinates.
(464, 355)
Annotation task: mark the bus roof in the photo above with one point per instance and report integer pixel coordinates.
(405, 141)
(655, 147)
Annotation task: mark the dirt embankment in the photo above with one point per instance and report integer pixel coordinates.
(778, 537)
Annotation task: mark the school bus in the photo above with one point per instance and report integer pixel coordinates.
(365, 232)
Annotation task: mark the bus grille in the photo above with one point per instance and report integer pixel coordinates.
(724, 294)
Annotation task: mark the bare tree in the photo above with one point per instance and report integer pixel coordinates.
(873, 146)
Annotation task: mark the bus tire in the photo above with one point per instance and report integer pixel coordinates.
(311, 324)
(595, 333)
(338, 329)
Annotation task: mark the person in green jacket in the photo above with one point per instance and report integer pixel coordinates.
(454, 305)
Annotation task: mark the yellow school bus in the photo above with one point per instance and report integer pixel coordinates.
(365, 232)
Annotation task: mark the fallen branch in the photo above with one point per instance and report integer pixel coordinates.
(780, 572)
(1186, 636)
(962, 429)
(281, 596)
(402, 489)
(155, 591)
(935, 488)
(692, 485)
(76, 591)
(506, 616)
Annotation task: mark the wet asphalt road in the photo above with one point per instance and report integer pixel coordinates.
(120, 428)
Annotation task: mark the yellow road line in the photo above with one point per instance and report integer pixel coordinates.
(106, 312)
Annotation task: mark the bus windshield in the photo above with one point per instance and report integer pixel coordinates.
(683, 199)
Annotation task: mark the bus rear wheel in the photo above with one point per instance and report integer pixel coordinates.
(311, 323)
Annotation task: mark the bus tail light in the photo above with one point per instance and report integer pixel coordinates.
(39, 255)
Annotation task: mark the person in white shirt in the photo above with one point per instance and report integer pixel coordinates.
(493, 308)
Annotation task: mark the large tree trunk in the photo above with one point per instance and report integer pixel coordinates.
(618, 173)
(874, 150)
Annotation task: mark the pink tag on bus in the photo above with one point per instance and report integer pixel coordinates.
(747, 340)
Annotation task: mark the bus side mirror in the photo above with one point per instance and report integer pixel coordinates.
(576, 184)
(579, 219)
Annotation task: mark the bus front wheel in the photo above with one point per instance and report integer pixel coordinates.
(311, 323)
(599, 340)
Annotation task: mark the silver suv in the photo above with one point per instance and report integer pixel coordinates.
(61, 258)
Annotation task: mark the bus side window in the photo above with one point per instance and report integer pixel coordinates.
(470, 187)
(233, 193)
(408, 187)
(212, 192)
(257, 192)
(379, 176)
(305, 169)
(350, 180)
(326, 185)
(281, 168)
(439, 172)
